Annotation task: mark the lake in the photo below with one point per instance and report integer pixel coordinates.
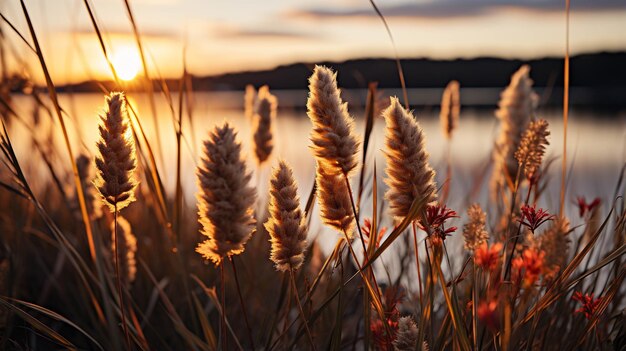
(596, 142)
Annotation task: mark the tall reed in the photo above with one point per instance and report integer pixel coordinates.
(115, 178)
(225, 204)
(288, 230)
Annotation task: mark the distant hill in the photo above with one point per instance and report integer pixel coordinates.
(603, 75)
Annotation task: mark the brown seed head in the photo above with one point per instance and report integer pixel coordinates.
(450, 108)
(409, 176)
(265, 114)
(474, 231)
(533, 147)
(286, 224)
(515, 110)
(406, 337)
(116, 161)
(334, 200)
(225, 200)
(333, 136)
(555, 242)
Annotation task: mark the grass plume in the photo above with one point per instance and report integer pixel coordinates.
(116, 161)
(334, 142)
(515, 111)
(450, 108)
(532, 147)
(225, 198)
(409, 176)
(286, 224)
(263, 120)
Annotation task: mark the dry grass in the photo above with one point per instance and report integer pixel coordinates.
(527, 277)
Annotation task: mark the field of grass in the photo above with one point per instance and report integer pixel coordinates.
(97, 254)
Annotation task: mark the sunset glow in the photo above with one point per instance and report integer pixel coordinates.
(127, 63)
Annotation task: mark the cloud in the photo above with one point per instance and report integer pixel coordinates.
(230, 32)
(456, 8)
(118, 32)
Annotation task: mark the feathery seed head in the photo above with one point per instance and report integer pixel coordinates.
(474, 231)
(555, 242)
(409, 176)
(515, 110)
(333, 136)
(225, 199)
(334, 200)
(407, 334)
(127, 244)
(286, 224)
(533, 147)
(450, 108)
(116, 161)
(265, 114)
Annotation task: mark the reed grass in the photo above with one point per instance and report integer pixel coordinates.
(170, 298)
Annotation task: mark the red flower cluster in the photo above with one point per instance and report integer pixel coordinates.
(379, 334)
(367, 228)
(533, 218)
(590, 305)
(487, 257)
(488, 314)
(531, 263)
(381, 338)
(436, 216)
(584, 207)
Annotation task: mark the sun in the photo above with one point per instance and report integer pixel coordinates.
(127, 62)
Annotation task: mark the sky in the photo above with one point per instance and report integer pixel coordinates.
(218, 36)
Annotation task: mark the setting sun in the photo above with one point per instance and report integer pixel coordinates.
(127, 62)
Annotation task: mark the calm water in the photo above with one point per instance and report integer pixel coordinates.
(597, 144)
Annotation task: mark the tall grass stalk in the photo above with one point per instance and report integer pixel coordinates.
(565, 109)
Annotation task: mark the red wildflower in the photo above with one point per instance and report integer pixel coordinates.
(367, 228)
(584, 207)
(488, 313)
(436, 216)
(589, 304)
(533, 218)
(379, 334)
(488, 257)
(391, 298)
(531, 263)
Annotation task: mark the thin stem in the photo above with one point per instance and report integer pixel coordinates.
(519, 228)
(565, 109)
(474, 304)
(223, 301)
(243, 306)
(356, 217)
(432, 283)
(417, 265)
(295, 292)
(119, 279)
